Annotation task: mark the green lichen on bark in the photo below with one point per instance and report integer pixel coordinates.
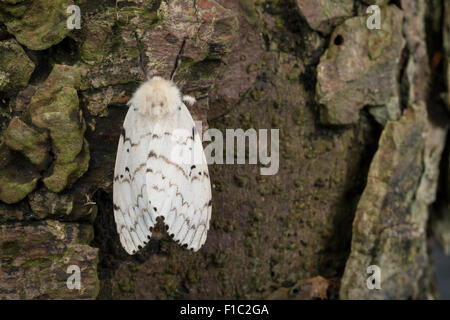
(5, 154)
(38, 24)
(46, 257)
(361, 68)
(389, 229)
(96, 44)
(33, 144)
(16, 185)
(64, 174)
(15, 67)
(55, 107)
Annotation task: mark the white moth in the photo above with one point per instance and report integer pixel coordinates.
(161, 170)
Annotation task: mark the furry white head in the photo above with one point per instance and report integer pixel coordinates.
(156, 98)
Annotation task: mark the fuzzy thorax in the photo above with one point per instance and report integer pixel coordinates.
(156, 98)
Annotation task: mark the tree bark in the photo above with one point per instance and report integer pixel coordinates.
(362, 116)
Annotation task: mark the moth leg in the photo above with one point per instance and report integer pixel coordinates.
(189, 100)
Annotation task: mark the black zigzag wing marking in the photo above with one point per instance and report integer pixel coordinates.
(152, 154)
(131, 176)
(136, 142)
(134, 218)
(149, 182)
(186, 185)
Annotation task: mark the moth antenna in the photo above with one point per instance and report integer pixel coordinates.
(141, 58)
(177, 59)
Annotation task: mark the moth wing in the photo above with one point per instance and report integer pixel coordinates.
(178, 184)
(134, 217)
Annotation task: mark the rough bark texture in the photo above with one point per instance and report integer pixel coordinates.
(361, 141)
(441, 217)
